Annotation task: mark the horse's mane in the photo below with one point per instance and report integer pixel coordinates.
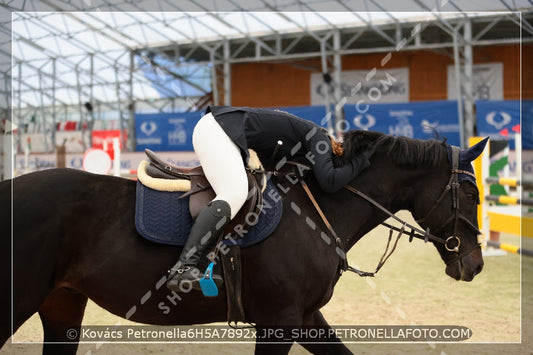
(402, 150)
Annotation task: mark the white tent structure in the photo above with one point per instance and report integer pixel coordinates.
(90, 60)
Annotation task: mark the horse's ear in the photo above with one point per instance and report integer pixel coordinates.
(475, 151)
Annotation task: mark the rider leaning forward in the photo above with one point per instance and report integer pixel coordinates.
(221, 140)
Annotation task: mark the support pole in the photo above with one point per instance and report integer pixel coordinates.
(131, 126)
(54, 112)
(119, 105)
(43, 113)
(80, 107)
(464, 74)
(227, 74)
(337, 68)
(327, 96)
(468, 82)
(214, 79)
(17, 119)
(459, 91)
(91, 99)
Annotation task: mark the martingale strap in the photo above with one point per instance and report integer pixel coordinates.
(338, 241)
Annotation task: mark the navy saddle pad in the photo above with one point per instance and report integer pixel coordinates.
(163, 217)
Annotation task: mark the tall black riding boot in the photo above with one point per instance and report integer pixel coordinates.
(210, 222)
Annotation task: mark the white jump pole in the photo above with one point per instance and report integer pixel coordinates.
(518, 154)
(116, 161)
(485, 163)
(518, 169)
(26, 159)
(8, 157)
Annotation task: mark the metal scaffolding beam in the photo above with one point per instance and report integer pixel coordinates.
(70, 53)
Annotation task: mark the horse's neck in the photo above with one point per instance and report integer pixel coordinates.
(353, 217)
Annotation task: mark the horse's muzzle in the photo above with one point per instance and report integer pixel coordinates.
(466, 268)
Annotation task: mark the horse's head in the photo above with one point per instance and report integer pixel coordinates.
(435, 182)
(450, 212)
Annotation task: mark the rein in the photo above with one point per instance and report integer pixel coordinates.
(451, 243)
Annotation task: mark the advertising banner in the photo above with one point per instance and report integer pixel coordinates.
(422, 120)
(128, 160)
(104, 140)
(374, 86)
(165, 131)
(316, 114)
(504, 119)
(35, 142)
(41, 143)
(73, 140)
(487, 82)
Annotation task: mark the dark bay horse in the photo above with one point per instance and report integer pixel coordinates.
(74, 238)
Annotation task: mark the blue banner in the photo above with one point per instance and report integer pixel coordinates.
(527, 124)
(165, 131)
(501, 120)
(315, 114)
(173, 131)
(421, 120)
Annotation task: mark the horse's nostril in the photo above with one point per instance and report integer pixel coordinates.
(479, 268)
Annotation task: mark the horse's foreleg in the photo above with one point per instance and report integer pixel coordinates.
(5, 315)
(329, 342)
(273, 329)
(272, 341)
(61, 315)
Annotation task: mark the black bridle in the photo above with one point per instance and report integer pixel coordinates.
(452, 243)
(456, 216)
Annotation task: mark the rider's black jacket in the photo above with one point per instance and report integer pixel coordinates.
(261, 129)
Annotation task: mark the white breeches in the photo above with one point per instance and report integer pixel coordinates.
(222, 162)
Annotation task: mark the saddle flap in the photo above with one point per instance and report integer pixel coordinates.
(200, 193)
(251, 208)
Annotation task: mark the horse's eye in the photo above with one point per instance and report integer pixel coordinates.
(471, 196)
